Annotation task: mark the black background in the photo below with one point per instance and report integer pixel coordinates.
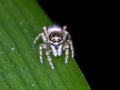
(76, 15)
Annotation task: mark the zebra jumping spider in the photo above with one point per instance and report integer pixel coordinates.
(55, 39)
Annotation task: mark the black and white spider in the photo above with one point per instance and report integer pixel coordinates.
(55, 39)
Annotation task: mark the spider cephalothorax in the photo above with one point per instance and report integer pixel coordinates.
(55, 39)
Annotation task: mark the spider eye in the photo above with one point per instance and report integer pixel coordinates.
(58, 40)
(54, 40)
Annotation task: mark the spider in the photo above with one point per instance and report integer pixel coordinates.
(55, 39)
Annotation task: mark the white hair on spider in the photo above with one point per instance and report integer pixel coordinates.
(55, 39)
(54, 28)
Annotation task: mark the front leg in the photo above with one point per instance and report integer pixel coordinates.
(66, 46)
(71, 48)
(49, 59)
(40, 51)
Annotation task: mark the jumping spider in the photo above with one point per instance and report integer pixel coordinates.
(55, 39)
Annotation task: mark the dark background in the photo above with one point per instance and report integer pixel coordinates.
(76, 15)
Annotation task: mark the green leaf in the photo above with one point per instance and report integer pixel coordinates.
(20, 68)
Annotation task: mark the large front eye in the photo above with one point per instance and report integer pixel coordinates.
(54, 40)
(58, 40)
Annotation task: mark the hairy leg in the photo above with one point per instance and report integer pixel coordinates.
(49, 59)
(40, 53)
(66, 46)
(71, 48)
(36, 38)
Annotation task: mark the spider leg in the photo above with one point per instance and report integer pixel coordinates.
(71, 48)
(40, 53)
(45, 31)
(44, 36)
(36, 38)
(49, 59)
(66, 52)
(69, 40)
(65, 34)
